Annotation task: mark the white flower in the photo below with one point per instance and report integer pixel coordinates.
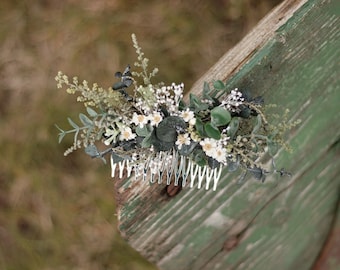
(187, 115)
(192, 121)
(214, 149)
(220, 155)
(139, 120)
(209, 146)
(178, 89)
(182, 139)
(111, 135)
(155, 118)
(126, 134)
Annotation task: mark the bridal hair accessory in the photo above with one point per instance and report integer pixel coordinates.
(151, 133)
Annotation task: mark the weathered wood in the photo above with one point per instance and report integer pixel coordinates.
(292, 59)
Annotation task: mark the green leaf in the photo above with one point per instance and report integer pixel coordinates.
(182, 105)
(233, 165)
(61, 130)
(61, 136)
(91, 112)
(146, 142)
(85, 120)
(220, 116)
(233, 127)
(206, 87)
(219, 85)
(213, 163)
(194, 101)
(144, 131)
(116, 158)
(166, 131)
(207, 93)
(160, 145)
(196, 104)
(200, 127)
(186, 150)
(258, 173)
(92, 150)
(272, 147)
(200, 157)
(258, 124)
(72, 123)
(212, 131)
(245, 111)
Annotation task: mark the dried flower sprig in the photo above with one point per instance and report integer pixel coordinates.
(154, 133)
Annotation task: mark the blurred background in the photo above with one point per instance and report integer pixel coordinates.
(58, 212)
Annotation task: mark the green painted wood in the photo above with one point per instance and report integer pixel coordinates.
(283, 223)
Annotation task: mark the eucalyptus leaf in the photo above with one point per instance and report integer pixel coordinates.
(72, 123)
(61, 136)
(213, 163)
(272, 147)
(61, 130)
(219, 85)
(182, 105)
(116, 158)
(206, 89)
(258, 173)
(91, 112)
(258, 124)
(119, 85)
(160, 145)
(212, 131)
(200, 127)
(245, 111)
(233, 165)
(200, 157)
(233, 127)
(186, 150)
(85, 120)
(144, 131)
(196, 104)
(146, 142)
(220, 116)
(92, 150)
(166, 131)
(206, 92)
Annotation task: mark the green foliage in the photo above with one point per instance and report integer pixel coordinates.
(143, 64)
(212, 131)
(220, 117)
(196, 104)
(167, 129)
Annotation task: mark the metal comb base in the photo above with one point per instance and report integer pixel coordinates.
(169, 166)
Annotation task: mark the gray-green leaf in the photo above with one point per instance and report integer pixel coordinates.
(85, 120)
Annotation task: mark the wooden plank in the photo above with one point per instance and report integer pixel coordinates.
(283, 223)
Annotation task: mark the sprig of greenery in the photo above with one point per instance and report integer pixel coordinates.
(143, 64)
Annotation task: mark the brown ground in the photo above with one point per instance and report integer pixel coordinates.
(57, 212)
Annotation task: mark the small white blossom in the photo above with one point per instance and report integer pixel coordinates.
(178, 89)
(192, 121)
(139, 120)
(155, 118)
(187, 115)
(214, 149)
(182, 139)
(220, 155)
(209, 146)
(127, 134)
(233, 100)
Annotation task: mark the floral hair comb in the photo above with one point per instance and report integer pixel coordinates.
(153, 134)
